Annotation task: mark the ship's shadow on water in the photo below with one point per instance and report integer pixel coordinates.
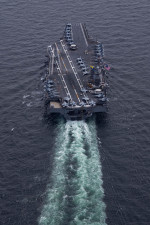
(75, 192)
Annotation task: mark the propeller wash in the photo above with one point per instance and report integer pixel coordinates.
(75, 195)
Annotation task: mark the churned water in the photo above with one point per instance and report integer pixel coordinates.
(95, 172)
(75, 195)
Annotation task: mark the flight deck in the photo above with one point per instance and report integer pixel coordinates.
(75, 85)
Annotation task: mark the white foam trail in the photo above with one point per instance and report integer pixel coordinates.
(75, 196)
(26, 96)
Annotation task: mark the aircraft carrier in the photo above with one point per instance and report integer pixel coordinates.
(75, 84)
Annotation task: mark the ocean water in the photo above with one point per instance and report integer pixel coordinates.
(75, 194)
(94, 172)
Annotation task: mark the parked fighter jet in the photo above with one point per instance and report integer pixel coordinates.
(65, 104)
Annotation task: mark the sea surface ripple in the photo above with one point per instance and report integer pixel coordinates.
(29, 143)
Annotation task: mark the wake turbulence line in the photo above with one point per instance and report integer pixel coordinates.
(75, 196)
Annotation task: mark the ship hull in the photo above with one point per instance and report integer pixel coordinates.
(77, 114)
(75, 83)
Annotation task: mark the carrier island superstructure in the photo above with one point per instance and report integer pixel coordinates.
(75, 85)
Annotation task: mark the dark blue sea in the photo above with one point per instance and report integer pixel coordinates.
(54, 172)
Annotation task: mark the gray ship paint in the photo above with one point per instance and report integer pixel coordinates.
(78, 75)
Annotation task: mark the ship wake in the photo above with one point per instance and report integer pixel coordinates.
(75, 193)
